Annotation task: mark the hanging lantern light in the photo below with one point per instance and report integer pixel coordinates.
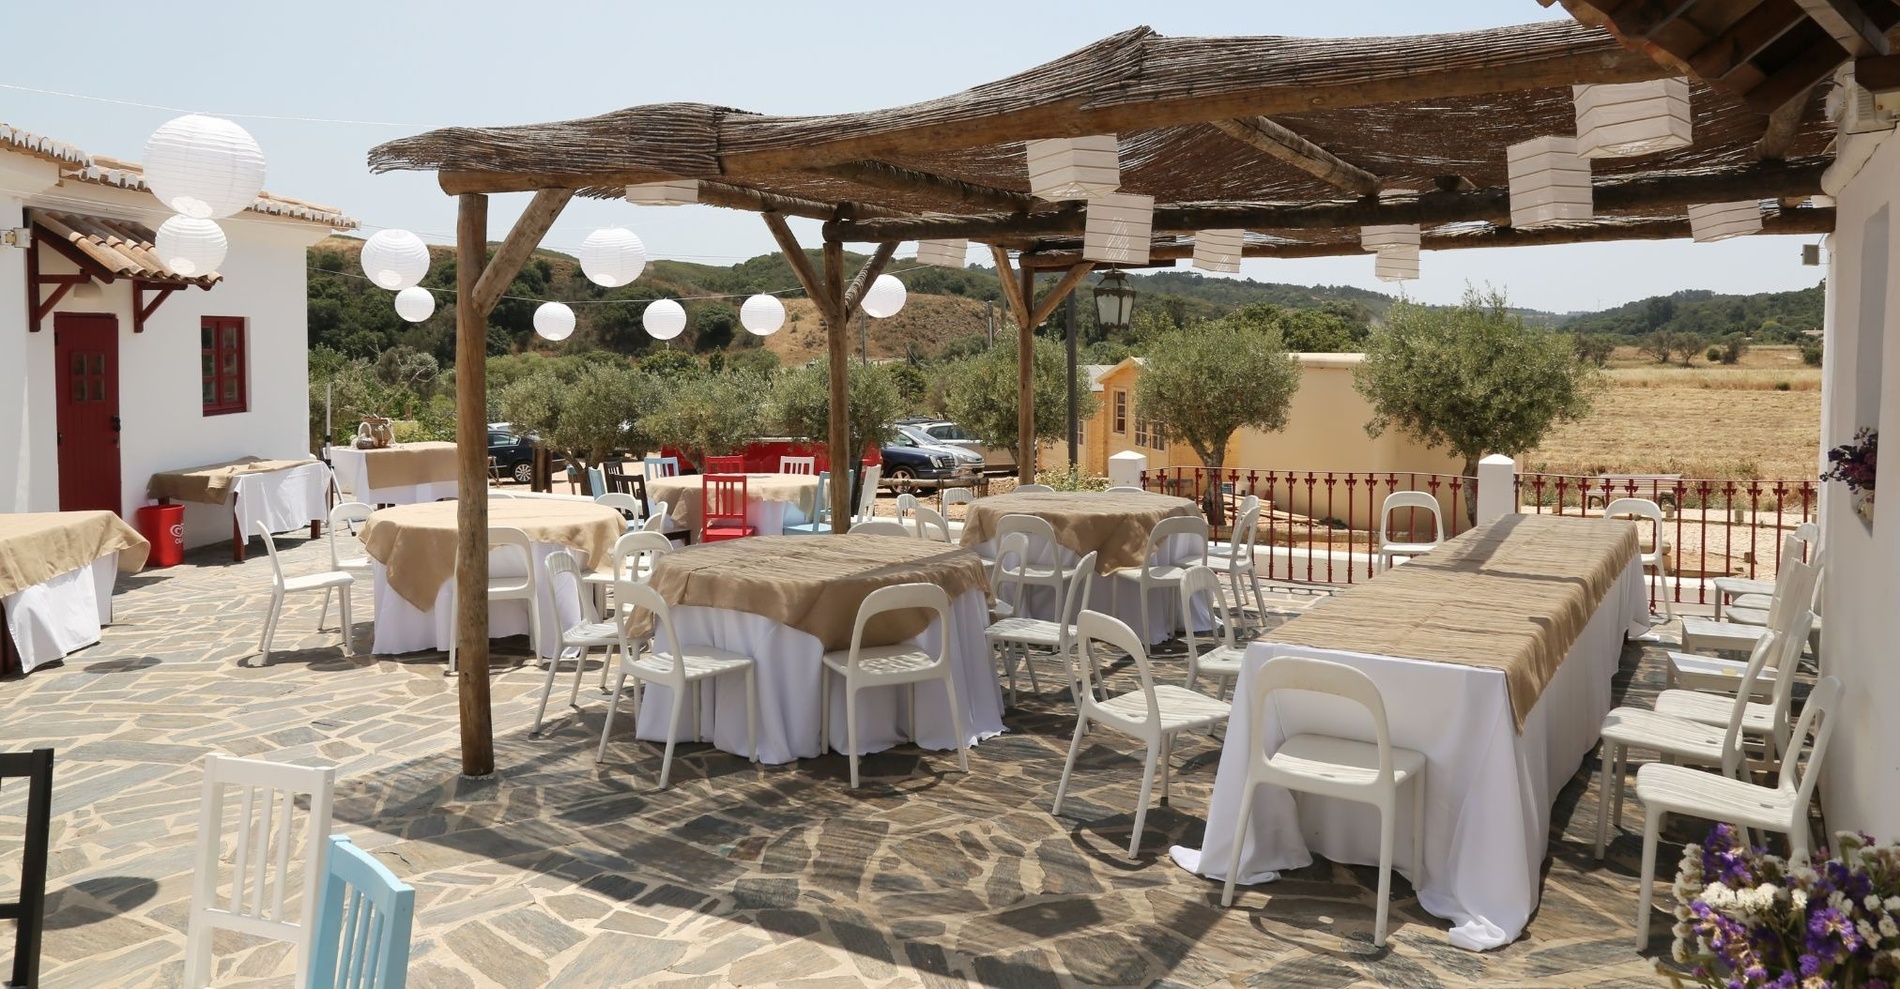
(1720, 221)
(1623, 120)
(395, 259)
(885, 297)
(677, 192)
(1118, 228)
(203, 167)
(1402, 235)
(762, 315)
(663, 319)
(1398, 264)
(1074, 167)
(943, 253)
(554, 321)
(1218, 250)
(613, 257)
(415, 304)
(1114, 302)
(1550, 183)
(190, 246)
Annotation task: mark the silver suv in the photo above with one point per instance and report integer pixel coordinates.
(942, 432)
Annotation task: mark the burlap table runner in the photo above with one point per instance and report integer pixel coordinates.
(211, 484)
(684, 495)
(416, 543)
(409, 463)
(816, 583)
(35, 548)
(1116, 525)
(1511, 595)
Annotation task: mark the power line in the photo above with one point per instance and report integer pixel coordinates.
(450, 293)
(176, 109)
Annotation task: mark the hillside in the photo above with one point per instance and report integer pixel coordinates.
(1706, 314)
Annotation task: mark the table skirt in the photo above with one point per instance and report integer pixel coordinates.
(788, 666)
(62, 615)
(352, 466)
(1118, 596)
(1488, 789)
(402, 627)
(282, 499)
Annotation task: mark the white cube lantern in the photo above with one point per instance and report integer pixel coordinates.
(1218, 250)
(1720, 221)
(1074, 167)
(1118, 229)
(943, 253)
(1627, 119)
(1386, 238)
(1399, 264)
(676, 192)
(1550, 182)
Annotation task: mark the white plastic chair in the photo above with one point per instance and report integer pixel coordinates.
(905, 663)
(588, 634)
(262, 859)
(1235, 558)
(1153, 714)
(1665, 789)
(346, 517)
(1653, 556)
(1044, 551)
(1767, 720)
(931, 525)
(1118, 489)
(1155, 573)
(1389, 547)
(672, 667)
(280, 585)
(867, 493)
(1802, 543)
(657, 521)
(907, 505)
(881, 527)
(1222, 658)
(496, 494)
(954, 496)
(1794, 592)
(806, 466)
(1034, 633)
(1330, 766)
(509, 549)
(1034, 489)
(626, 505)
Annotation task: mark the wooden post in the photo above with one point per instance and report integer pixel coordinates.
(844, 460)
(1025, 386)
(471, 503)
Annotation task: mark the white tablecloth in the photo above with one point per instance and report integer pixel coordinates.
(62, 615)
(282, 499)
(788, 665)
(401, 628)
(352, 475)
(1488, 789)
(1116, 596)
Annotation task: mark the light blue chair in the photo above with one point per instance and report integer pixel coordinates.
(660, 467)
(363, 925)
(596, 482)
(820, 525)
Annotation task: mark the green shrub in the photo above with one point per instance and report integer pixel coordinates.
(1071, 479)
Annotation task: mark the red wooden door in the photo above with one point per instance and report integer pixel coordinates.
(86, 364)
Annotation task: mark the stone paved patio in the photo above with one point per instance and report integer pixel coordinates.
(561, 872)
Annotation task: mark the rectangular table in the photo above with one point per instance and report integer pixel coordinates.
(399, 474)
(283, 494)
(1494, 655)
(56, 576)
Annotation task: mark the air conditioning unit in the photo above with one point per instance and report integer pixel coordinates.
(1858, 111)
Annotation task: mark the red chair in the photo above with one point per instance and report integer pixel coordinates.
(723, 499)
(725, 465)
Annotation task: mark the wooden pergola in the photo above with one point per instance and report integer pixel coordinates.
(1300, 142)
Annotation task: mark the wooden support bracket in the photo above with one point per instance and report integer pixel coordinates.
(142, 309)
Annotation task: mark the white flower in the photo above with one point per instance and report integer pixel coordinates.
(1888, 928)
(1867, 932)
(1679, 951)
(1892, 904)
(1872, 902)
(1799, 899)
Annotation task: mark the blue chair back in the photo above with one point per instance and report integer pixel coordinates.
(596, 482)
(363, 925)
(660, 467)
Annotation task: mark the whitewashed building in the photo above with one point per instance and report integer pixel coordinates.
(111, 366)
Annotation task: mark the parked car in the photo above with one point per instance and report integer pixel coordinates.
(513, 454)
(941, 432)
(911, 464)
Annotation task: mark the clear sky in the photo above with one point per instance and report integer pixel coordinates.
(429, 63)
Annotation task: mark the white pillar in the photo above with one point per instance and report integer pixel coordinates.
(1126, 467)
(1497, 487)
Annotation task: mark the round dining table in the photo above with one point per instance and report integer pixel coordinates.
(412, 552)
(786, 601)
(773, 501)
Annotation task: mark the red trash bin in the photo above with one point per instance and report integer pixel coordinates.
(164, 527)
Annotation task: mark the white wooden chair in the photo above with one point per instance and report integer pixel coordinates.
(588, 634)
(931, 524)
(627, 505)
(1155, 572)
(1222, 659)
(954, 496)
(1666, 789)
(1023, 633)
(798, 465)
(1152, 714)
(510, 578)
(280, 585)
(1235, 558)
(903, 664)
(652, 467)
(820, 524)
(672, 667)
(1794, 592)
(1390, 548)
(1654, 557)
(882, 527)
(270, 848)
(1331, 766)
(1034, 489)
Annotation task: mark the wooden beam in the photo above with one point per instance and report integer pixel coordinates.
(1816, 62)
(458, 182)
(141, 309)
(522, 239)
(891, 178)
(1878, 73)
(1644, 18)
(1012, 288)
(873, 267)
(844, 460)
(801, 267)
(1783, 126)
(471, 502)
(1746, 38)
(1851, 25)
(1265, 135)
(744, 197)
(1070, 279)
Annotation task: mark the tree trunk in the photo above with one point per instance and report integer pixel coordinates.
(1213, 502)
(1471, 491)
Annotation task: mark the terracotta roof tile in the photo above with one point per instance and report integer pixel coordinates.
(122, 247)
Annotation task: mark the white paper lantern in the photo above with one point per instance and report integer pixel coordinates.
(613, 257)
(1627, 119)
(762, 315)
(1720, 221)
(203, 167)
(190, 246)
(1399, 264)
(678, 192)
(664, 319)
(885, 297)
(1550, 183)
(415, 304)
(1118, 229)
(1218, 250)
(943, 253)
(1402, 235)
(554, 321)
(395, 259)
(1074, 167)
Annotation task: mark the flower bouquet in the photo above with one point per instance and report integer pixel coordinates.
(1748, 918)
(1853, 464)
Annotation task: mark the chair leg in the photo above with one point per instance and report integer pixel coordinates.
(1147, 793)
(580, 670)
(752, 711)
(1259, 602)
(1030, 665)
(956, 719)
(672, 733)
(270, 627)
(1075, 746)
(607, 727)
(824, 708)
(1240, 838)
(1167, 763)
(1385, 877)
(349, 648)
(1009, 672)
(1617, 777)
(1418, 831)
(851, 727)
(1652, 826)
(547, 690)
(1604, 762)
(324, 612)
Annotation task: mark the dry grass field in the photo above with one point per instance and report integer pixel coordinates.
(1760, 419)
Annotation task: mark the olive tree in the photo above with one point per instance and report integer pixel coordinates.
(586, 416)
(1471, 378)
(801, 406)
(980, 392)
(708, 415)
